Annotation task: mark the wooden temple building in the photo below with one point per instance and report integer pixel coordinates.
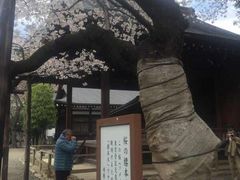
(86, 109)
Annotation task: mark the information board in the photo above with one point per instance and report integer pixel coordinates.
(119, 148)
(115, 152)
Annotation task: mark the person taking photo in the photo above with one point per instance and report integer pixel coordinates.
(65, 147)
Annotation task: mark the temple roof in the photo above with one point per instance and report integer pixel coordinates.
(199, 27)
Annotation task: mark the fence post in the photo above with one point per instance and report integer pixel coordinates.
(34, 156)
(49, 164)
(40, 162)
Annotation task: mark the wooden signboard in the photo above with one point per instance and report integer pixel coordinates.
(119, 149)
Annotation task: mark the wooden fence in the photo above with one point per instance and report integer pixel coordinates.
(42, 158)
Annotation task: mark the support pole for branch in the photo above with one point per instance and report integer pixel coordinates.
(7, 9)
(105, 95)
(28, 131)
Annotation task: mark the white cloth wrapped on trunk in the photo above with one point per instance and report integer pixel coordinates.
(174, 130)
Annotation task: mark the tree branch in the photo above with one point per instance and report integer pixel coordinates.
(116, 53)
(121, 11)
(69, 8)
(135, 13)
(106, 14)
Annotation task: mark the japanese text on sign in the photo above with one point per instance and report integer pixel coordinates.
(115, 153)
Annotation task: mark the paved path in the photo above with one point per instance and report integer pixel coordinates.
(16, 167)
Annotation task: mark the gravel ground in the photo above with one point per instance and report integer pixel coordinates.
(16, 167)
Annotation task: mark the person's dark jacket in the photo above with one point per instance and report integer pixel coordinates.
(64, 151)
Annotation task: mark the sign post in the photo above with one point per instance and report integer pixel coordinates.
(119, 149)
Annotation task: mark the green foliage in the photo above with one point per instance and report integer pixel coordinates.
(43, 109)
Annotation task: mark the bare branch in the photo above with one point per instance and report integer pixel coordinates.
(78, 1)
(55, 13)
(134, 12)
(121, 11)
(26, 4)
(69, 8)
(106, 13)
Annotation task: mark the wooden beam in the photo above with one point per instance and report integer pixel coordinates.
(69, 107)
(105, 95)
(28, 131)
(7, 9)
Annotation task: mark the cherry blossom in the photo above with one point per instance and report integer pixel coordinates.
(40, 21)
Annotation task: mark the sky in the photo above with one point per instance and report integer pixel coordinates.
(227, 22)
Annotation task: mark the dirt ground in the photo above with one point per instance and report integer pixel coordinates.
(16, 167)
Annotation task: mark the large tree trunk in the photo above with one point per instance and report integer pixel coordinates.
(174, 130)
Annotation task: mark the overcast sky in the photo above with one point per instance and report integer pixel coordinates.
(227, 22)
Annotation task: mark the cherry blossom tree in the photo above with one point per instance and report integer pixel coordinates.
(66, 18)
(80, 36)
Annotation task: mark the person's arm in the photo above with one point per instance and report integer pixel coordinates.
(68, 146)
(236, 139)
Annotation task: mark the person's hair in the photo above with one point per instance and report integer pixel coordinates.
(67, 131)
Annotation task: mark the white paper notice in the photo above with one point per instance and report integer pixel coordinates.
(115, 153)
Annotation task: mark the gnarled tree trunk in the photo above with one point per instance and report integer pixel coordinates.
(175, 132)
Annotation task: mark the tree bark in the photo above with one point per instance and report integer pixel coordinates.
(166, 38)
(181, 143)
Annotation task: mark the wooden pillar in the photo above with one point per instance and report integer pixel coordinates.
(6, 139)
(69, 107)
(218, 100)
(28, 131)
(90, 129)
(105, 95)
(59, 121)
(7, 9)
(218, 110)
